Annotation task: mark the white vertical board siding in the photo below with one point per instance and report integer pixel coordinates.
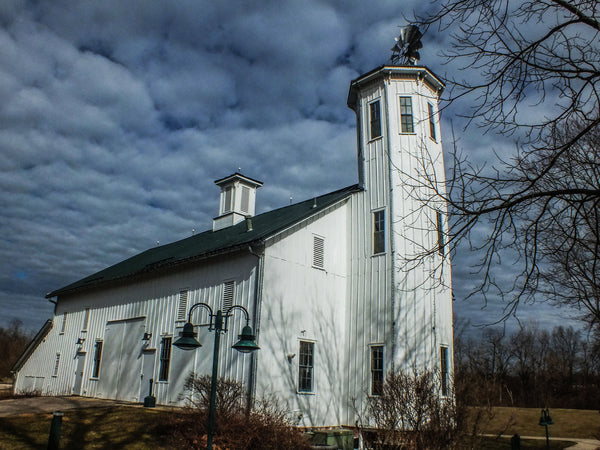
(409, 312)
(304, 303)
(154, 303)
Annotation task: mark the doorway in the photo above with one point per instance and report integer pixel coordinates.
(80, 365)
(148, 358)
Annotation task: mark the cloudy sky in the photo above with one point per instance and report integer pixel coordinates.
(116, 117)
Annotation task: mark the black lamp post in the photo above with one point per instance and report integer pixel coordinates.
(546, 420)
(218, 324)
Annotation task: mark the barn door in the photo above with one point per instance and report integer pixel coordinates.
(79, 373)
(121, 360)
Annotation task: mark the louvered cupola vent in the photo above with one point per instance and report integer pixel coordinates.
(237, 201)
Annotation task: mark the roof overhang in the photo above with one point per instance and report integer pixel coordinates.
(415, 72)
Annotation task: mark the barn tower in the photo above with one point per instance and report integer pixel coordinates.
(400, 266)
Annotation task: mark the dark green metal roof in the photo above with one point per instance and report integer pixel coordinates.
(209, 243)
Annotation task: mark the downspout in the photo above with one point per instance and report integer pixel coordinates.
(258, 280)
(391, 209)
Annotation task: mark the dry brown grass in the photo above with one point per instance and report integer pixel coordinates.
(568, 423)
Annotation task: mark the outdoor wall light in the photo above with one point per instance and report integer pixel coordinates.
(147, 336)
(80, 341)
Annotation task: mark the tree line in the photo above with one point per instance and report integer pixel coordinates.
(532, 367)
(13, 341)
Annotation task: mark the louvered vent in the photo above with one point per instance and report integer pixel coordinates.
(182, 308)
(318, 252)
(245, 198)
(227, 300)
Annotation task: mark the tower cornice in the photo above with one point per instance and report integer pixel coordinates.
(398, 72)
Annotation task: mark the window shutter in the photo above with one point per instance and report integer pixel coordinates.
(182, 308)
(227, 300)
(245, 198)
(86, 319)
(56, 364)
(318, 252)
(64, 323)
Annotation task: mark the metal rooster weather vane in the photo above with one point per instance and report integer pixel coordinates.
(405, 51)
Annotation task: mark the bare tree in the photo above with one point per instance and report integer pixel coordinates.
(532, 74)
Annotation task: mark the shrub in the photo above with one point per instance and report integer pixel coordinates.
(266, 426)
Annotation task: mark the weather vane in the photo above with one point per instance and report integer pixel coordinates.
(407, 44)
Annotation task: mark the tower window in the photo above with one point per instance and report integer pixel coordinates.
(379, 231)
(375, 119)
(444, 371)
(406, 115)
(377, 370)
(431, 122)
(306, 366)
(440, 232)
(165, 359)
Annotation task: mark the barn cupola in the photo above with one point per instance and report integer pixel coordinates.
(237, 201)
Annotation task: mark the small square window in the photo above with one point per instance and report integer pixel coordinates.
(375, 119)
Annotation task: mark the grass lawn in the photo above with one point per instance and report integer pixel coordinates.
(526, 444)
(568, 423)
(120, 427)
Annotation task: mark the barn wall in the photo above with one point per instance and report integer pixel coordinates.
(308, 306)
(148, 305)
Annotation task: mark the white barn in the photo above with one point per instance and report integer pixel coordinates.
(324, 280)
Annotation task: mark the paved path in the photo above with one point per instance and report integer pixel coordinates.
(33, 405)
(582, 444)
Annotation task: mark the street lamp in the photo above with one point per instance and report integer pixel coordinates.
(218, 324)
(546, 420)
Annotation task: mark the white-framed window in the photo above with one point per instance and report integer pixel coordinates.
(56, 365)
(63, 327)
(182, 305)
(439, 219)
(165, 358)
(306, 366)
(378, 231)
(97, 359)
(374, 120)
(86, 319)
(377, 370)
(432, 133)
(444, 370)
(228, 295)
(406, 115)
(318, 252)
